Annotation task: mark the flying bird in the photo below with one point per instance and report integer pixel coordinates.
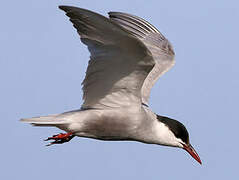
(127, 56)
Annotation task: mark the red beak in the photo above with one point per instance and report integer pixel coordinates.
(192, 152)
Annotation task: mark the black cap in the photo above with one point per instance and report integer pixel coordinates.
(178, 129)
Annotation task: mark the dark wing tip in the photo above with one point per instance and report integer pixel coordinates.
(114, 14)
(67, 8)
(64, 8)
(111, 13)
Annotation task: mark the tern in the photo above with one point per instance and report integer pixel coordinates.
(127, 56)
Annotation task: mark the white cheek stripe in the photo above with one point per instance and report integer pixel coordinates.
(165, 136)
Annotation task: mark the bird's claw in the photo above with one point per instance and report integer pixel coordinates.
(60, 138)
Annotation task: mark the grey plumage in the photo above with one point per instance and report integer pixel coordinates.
(127, 56)
(160, 48)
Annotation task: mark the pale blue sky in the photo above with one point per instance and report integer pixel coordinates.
(42, 64)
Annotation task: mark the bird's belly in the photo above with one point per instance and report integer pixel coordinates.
(111, 125)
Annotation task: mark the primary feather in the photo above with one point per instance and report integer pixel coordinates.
(119, 63)
(160, 48)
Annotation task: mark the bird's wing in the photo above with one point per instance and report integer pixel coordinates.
(119, 62)
(155, 42)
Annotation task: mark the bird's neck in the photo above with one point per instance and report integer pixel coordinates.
(156, 132)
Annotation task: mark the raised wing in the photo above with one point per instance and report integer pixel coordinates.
(119, 62)
(155, 42)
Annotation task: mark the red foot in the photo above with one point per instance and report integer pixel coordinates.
(60, 138)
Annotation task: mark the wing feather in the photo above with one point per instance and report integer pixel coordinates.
(156, 43)
(119, 62)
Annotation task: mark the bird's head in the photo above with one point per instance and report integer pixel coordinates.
(174, 133)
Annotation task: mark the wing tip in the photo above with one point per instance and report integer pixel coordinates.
(110, 13)
(62, 7)
(67, 8)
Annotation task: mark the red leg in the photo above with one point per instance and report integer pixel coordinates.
(60, 138)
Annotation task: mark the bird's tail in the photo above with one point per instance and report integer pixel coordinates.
(50, 120)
